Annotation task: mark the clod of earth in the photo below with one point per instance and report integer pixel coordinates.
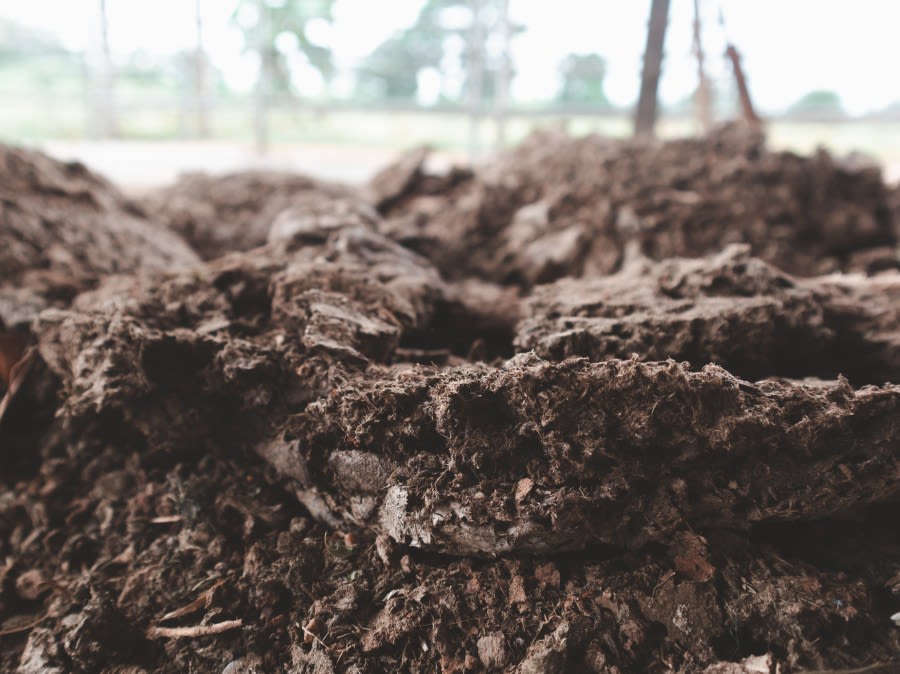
(592, 407)
(730, 309)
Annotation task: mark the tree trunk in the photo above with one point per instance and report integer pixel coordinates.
(645, 119)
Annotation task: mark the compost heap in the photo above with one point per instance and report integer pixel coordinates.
(599, 406)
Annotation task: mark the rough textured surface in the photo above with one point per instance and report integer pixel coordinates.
(323, 326)
(62, 229)
(62, 225)
(559, 206)
(543, 457)
(232, 212)
(246, 332)
(321, 454)
(398, 178)
(731, 309)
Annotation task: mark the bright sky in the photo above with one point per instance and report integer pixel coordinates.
(790, 47)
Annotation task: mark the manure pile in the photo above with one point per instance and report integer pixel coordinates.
(597, 406)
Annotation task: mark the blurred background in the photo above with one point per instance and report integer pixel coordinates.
(144, 90)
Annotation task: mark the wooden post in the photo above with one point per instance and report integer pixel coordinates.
(747, 108)
(645, 118)
(105, 99)
(262, 90)
(475, 66)
(731, 52)
(502, 76)
(703, 96)
(200, 75)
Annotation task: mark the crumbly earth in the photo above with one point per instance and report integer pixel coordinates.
(730, 309)
(324, 450)
(569, 207)
(235, 211)
(64, 227)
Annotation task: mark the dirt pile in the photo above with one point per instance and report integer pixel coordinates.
(322, 454)
(62, 228)
(218, 214)
(559, 206)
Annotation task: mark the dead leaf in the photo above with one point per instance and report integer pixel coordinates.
(523, 488)
(547, 574)
(517, 590)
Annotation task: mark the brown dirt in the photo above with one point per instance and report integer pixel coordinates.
(560, 207)
(340, 445)
(63, 228)
(219, 214)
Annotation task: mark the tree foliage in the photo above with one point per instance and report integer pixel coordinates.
(263, 21)
(818, 102)
(582, 80)
(391, 71)
(19, 42)
(433, 42)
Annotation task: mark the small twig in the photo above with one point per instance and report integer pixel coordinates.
(17, 374)
(131, 583)
(166, 519)
(664, 579)
(202, 601)
(193, 631)
(23, 628)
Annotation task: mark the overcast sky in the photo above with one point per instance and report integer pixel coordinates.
(790, 46)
